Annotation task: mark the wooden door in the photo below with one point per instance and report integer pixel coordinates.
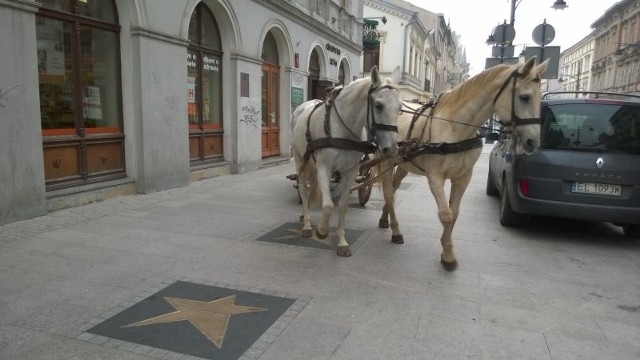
(270, 110)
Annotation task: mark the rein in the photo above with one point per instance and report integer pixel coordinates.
(411, 148)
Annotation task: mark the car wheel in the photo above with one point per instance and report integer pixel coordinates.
(631, 230)
(508, 217)
(491, 186)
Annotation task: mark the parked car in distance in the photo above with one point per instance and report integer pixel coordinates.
(587, 166)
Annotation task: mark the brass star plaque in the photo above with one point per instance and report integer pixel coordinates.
(199, 320)
(210, 317)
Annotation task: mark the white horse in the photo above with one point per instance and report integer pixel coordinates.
(331, 136)
(443, 143)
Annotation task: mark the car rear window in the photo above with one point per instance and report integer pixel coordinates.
(598, 127)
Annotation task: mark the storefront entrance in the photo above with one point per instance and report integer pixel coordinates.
(270, 98)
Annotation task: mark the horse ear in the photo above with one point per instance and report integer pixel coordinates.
(528, 65)
(542, 67)
(396, 75)
(375, 77)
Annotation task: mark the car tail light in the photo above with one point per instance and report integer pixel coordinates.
(524, 187)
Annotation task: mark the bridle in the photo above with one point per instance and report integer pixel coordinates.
(366, 147)
(371, 113)
(515, 120)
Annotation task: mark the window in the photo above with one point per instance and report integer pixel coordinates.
(78, 56)
(204, 88)
(371, 57)
(596, 127)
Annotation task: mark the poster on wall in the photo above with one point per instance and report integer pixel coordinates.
(191, 98)
(297, 97)
(92, 104)
(50, 49)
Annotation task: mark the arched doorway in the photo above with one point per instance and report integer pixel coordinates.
(270, 97)
(314, 76)
(204, 88)
(341, 73)
(317, 88)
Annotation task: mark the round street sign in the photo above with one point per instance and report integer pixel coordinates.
(543, 34)
(504, 34)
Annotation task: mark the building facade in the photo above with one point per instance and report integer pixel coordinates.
(418, 41)
(107, 97)
(575, 67)
(616, 58)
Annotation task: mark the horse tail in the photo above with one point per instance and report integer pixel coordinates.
(308, 171)
(315, 198)
(378, 172)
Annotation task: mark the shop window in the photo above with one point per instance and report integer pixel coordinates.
(79, 78)
(204, 88)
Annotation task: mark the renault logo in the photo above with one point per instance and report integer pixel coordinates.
(599, 163)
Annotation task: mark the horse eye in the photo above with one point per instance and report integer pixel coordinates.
(525, 97)
(379, 106)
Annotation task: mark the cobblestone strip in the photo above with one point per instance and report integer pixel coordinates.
(61, 219)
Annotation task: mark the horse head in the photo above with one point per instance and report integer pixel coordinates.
(517, 104)
(383, 109)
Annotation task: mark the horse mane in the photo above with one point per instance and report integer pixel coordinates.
(469, 89)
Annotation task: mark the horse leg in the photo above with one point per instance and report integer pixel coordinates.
(304, 195)
(389, 206)
(458, 187)
(446, 217)
(386, 180)
(343, 248)
(324, 181)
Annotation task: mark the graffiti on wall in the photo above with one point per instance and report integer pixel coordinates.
(250, 116)
(3, 95)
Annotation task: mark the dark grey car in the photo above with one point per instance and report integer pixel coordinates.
(587, 166)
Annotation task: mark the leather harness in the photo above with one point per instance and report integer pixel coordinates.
(365, 147)
(411, 148)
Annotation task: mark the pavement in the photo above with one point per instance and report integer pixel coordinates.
(217, 270)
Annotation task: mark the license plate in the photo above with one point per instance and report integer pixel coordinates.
(595, 188)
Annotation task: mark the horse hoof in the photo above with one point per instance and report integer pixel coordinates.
(321, 236)
(344, 251)
(307, 233)
(384, 224)
(449, 265)
(397, 239)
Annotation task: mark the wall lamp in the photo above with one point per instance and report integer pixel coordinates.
(559, 5)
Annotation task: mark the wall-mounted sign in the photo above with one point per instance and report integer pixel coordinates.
(244, 84)
(370, 34)
(333, 49)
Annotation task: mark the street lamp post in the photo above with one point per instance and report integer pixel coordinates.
(576, 76)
